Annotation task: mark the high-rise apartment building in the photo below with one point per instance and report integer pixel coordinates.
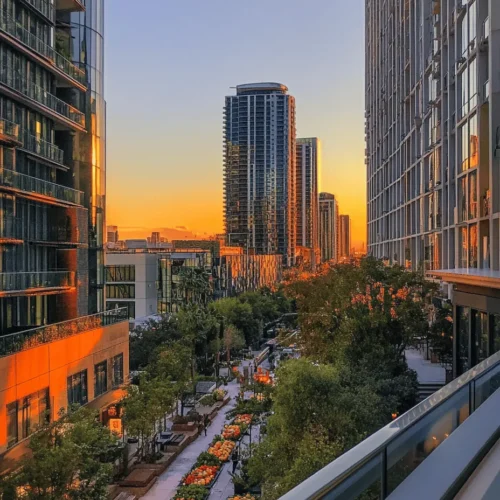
(433, 149)
(56, 348)
(52, 171)
(307, 168)
(259, 170)
(345, 236)
(328, 227)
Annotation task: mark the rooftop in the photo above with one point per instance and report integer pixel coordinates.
(261, 87)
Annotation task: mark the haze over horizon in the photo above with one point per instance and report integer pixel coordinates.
(164, 143)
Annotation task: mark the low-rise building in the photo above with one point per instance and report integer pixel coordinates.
(84, 361)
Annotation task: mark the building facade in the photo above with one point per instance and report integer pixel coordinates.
(345, 245)
(259, 170)
(328, 227)
(307, 206)
(52, 162)
(433, 152)
(83, 361)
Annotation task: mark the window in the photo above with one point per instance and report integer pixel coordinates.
(473, 195)
(117, 374)
(473, 245)
(120, 273)
(27, 415)
(463, 339)
(110, 305)
(481, 335)
(77, 388)
(101, 378)
(120, 291)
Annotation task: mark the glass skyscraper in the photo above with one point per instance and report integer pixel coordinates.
(259, 170)
(52, 170)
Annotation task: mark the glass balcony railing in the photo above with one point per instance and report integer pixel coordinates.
(44, 7)
(375, 467)
(14, 29)
(10, 228)
(43, 148)
(42, 96)
(13, 282)
(30, 184)
(17, 342)
(9, 131)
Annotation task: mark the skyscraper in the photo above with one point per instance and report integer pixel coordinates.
(432, 152)
(52, 178)
(307, 167)
(328, 227)
(345, 236)
(259, 170)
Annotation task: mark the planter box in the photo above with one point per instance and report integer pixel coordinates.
(189, 427)
(139, 478)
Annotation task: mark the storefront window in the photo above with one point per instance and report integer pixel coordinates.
(481, 335)
(463, 315)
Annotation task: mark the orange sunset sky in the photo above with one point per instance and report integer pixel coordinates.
(164, 130)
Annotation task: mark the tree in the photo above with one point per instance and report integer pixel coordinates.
(195, 285)
(315, 419)
(72, 458)
(233, 339)
(145, 339)
(441, 335)
(145, 405)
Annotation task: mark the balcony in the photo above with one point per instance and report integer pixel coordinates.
(38, 188)
(43, 148)
(17, 342)
(402, 457)
(43, 7)
(35, 282)
(10, 230)
(71, 5)
(9, 133)
(34, 92)
(57, 61)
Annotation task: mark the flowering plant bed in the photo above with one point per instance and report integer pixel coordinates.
(207, 458)
(219, 394)
(232, 432)
(243, 497)
(222, 449)
(191, 492)
(204, 475)
(244, 419)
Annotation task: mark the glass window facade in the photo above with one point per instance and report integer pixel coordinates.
(118, 305)
(100, 378)
(77, 389)
(27, 415)
(120, 291)
(120, 273)
(117, 371)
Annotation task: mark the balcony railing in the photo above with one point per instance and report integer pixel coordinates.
(14, 29)
(376, 466)
(44, 7)
(43, 148)
(13, 282)
(10, 228)
(42, 96)
(17, 342)
(30, 184)
(9, 132)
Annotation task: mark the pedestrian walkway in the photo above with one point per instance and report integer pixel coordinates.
(168, 482)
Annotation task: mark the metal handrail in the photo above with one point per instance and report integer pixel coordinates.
(340, 471)
(44, 7)
(30, 184)
(13, 28)
(33, 91)
(17, 342)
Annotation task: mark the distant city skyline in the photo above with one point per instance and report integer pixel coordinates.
(173, 139)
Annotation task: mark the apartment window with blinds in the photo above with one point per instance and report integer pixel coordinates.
(120, 291)
(117, 371)
(120, 273)
(26, 415)
(100, 378)
(77, 389)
